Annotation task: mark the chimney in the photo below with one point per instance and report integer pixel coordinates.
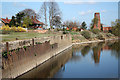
(35, 17)
(7, 18)
(32, 17)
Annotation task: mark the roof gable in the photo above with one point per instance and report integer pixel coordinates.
(6, 20)
(35, 21)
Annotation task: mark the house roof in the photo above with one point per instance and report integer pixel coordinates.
(35, 21)
(5, 20)
(107, 27)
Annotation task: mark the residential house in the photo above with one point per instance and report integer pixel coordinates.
(36, 23)
(106, 28)
(5, 21)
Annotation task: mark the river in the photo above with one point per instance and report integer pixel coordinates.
(94, 60)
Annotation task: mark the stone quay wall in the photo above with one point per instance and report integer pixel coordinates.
(24, 55)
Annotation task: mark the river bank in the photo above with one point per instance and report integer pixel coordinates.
(32, 55)
(24, 55)
(93, 41)
(80, 55)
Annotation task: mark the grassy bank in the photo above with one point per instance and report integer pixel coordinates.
(80, 36)
(23, 35)
(90, 36)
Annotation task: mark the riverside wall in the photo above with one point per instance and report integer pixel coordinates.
(24, 55)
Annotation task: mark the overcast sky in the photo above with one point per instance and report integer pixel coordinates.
(71, 10)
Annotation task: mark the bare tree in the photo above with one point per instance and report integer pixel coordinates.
(53, 12)
(57, 21)
(30, 13)
(71, 24)
(43, 12)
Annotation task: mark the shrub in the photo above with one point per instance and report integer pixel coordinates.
(20, 29)
(13, 29)
(72, 38)
(65, 32)
(4, 54)
(24, 47)
(109, 35)
(86, 34)
(100, 36)
(95, 31)
(6, 28)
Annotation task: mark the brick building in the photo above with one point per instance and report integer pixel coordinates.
(107, 28)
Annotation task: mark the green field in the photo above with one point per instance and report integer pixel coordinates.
(23, 35)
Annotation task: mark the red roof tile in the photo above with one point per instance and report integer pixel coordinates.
(6, 20)
(35, 21)
(107, 28)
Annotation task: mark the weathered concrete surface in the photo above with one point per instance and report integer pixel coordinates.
(50, 67)
(23, 60)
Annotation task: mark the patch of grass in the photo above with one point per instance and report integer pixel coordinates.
(78, 37)
(74, 33)
(24, 35)
(72, 38)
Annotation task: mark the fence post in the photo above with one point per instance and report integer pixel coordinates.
(7, 46)
(33, 41)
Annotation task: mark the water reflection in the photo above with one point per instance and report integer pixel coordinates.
(97, 52)
(115, 47)
(78, 62)
(85, 50)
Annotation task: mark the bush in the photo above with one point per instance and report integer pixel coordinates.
(100, 36)
(13, 29)
(4, 54)
(20, 29)
(6, 28)
(95, 31)
(65, 32)
(86, 34)
(109, 35)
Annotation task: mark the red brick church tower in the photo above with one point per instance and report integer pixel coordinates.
(98, 25)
